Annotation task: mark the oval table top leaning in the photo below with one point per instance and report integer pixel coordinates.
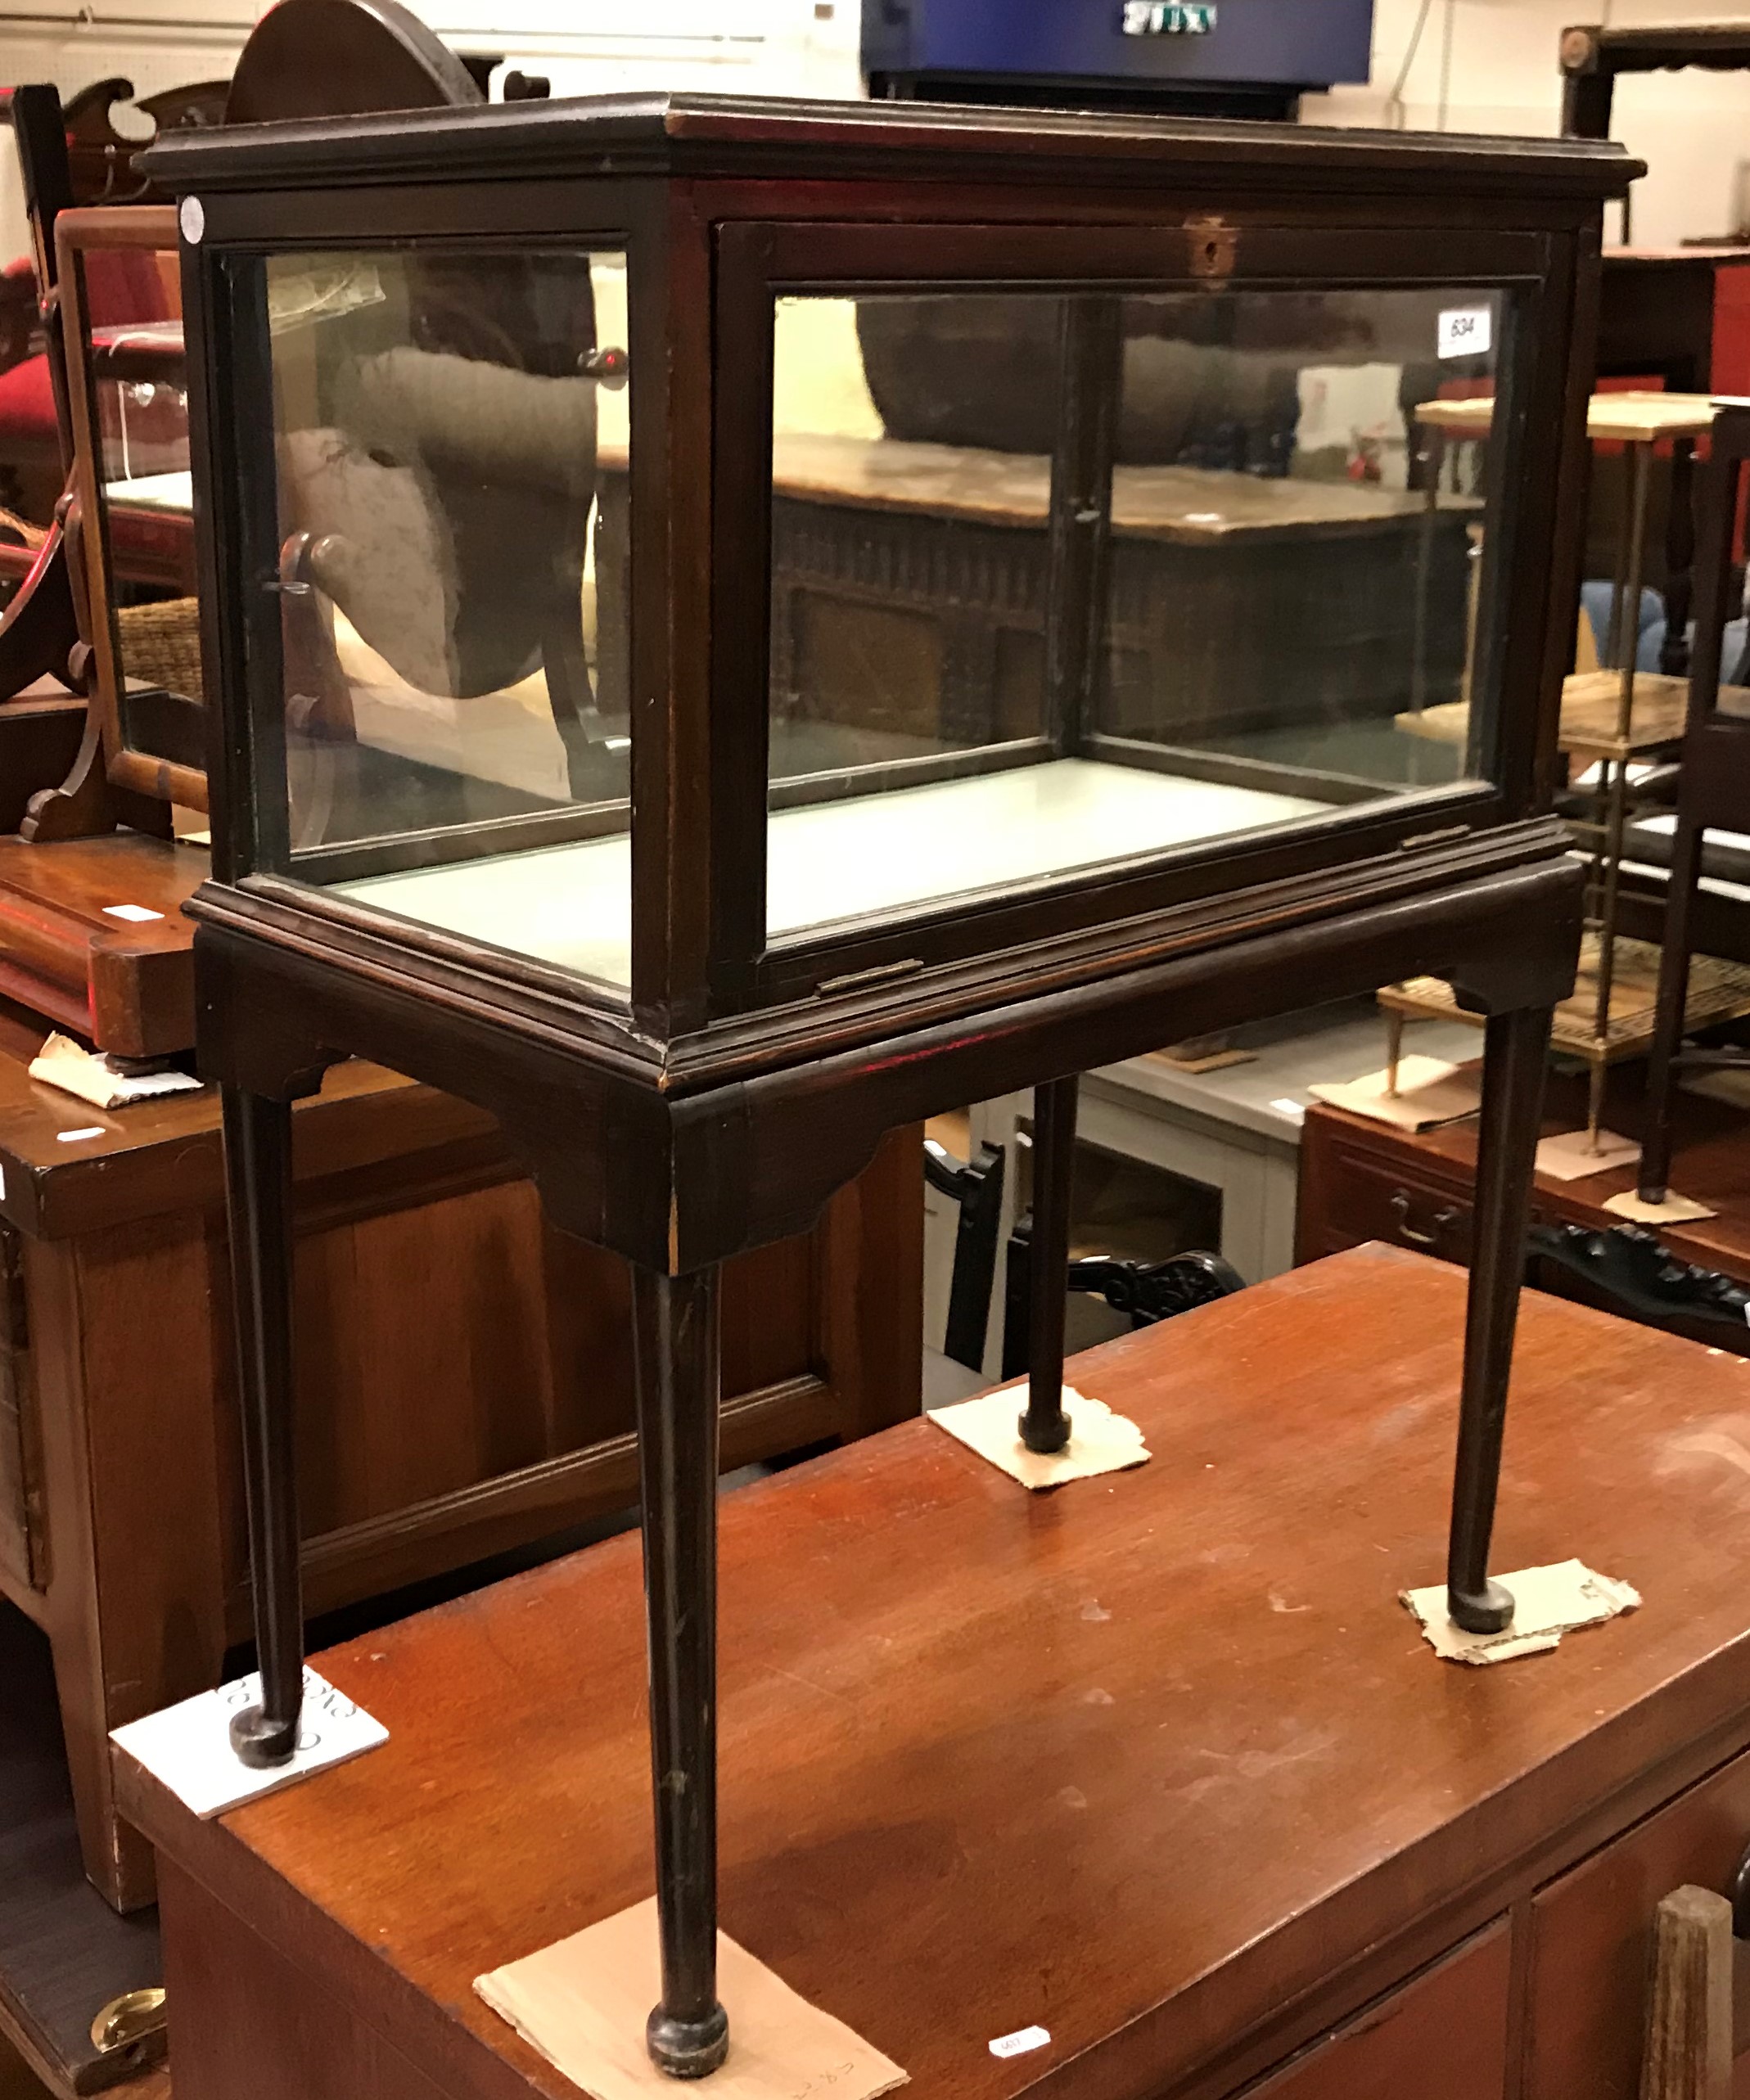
(704, 829)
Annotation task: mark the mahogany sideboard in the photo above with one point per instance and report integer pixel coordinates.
(1158, 1762)
(465, 1373)
(1363, 1180)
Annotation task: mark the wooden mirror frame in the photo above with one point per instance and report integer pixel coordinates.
(145, 227)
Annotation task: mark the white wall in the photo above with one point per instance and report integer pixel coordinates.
(586, 46)
(1692, 128)
(1495, 57)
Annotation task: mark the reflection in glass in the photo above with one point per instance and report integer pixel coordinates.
(1059, 580)
(452, 444)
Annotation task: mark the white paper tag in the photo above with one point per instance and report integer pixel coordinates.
(187, 1747)
(1465, 331)
(1548, 1602)
(1285, 1104)
(76, 1137)
(68, 1065)
(1100, 1441)
(135, 914)
(1020, 2041)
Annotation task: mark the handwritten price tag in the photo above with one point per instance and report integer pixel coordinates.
(824, 2081)
(1466, 331)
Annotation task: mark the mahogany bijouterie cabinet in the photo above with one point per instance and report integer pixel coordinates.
(519, 789)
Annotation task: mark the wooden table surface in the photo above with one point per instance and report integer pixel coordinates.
(64, 951)
(1631, 417)
(1145, 1761)
(165, 1154)
(1192, 506)
(1724, 252)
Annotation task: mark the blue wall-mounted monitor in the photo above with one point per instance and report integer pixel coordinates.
(1246, 58)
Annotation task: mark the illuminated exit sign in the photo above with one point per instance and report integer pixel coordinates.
(1169, 18)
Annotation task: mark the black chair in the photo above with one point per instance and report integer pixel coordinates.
(1639, 1277)
(1144, 1293)
(976, 1186)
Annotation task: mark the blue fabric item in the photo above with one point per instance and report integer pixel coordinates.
(1594, 601)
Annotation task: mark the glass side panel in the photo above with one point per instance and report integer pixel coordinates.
(1060, 580)
(452, 438)
(132, 298)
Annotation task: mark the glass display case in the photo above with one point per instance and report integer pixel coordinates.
(741, 625)
(1130, 578)
(1252, 632)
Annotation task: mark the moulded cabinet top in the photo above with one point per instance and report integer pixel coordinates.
(704, 135)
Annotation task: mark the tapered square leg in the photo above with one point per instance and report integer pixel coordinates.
(258, 1177)
(1513, 1087)
(1044, 1427)
(675, 1343)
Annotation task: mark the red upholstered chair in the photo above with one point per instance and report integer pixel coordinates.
(18, 312)
(91, 163)
(125, 288)
(31, 469)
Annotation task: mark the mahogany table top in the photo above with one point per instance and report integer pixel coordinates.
(165, 1155)
(1146, 1761)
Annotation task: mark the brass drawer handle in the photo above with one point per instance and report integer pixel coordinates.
(136, 2016)
(1443, 1221)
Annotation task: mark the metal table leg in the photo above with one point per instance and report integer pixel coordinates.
(1615, 818)
(1653, 1181)
(1433, 458)
(1394, 1050)
(1679, 560)
(1613, 772)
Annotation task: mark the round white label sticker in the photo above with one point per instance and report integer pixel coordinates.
(193, 221)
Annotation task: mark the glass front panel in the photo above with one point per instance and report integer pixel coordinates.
(1059, 579)
(132, 299)
(452, 439)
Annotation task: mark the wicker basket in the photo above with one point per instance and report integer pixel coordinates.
(160, 644)
(20, 532)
